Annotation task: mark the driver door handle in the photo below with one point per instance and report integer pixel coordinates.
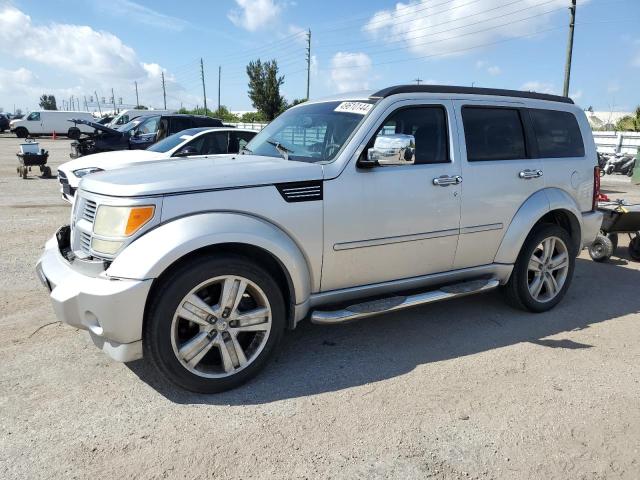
(446, 180)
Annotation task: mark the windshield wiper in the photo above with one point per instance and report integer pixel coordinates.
(282, 150)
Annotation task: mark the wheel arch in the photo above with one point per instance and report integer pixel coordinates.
(550, 205)
(164, 248)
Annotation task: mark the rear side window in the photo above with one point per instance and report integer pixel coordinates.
(557, 134)
(493, 134)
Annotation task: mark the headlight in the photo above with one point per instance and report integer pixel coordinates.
(86, 171)
(121, 221)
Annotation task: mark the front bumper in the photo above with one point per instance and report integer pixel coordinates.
(84, 297)
(591, 224)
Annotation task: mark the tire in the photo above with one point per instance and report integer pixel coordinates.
(630, 172)
(552, 279)
(173, 341)
(24, 172)
(634, 248)
(614, 241)
(22, 132)
(602, 248)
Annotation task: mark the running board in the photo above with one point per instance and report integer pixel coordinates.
(391, 304)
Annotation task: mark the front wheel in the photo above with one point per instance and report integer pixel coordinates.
(602, 248)
(22, 132)
(214, 323)
(634, 248)
(543, 271)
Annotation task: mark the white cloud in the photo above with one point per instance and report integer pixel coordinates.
(141, 14)
(72, 48)
(492, 70)
(540, 87)
(438, 31)
(79, 60)
(253, 15)
(350, 71)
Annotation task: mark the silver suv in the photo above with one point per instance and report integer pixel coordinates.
(340, 209)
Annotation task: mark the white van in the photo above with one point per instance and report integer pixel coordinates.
(45, 122)
(126, 116)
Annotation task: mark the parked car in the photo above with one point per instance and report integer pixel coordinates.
(127, 115)
(139, 133)
(202, 269)
(4, 122)
(190, 143)
(46, 122)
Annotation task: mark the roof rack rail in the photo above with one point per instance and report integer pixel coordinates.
(385, 92)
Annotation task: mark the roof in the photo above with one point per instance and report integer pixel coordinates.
(386, 92)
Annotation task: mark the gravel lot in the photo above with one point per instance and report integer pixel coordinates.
(464, 389)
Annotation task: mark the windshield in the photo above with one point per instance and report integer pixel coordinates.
(170, 142)
(310, 133)
(129, 126)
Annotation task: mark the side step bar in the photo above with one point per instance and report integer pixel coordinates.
(391, 304)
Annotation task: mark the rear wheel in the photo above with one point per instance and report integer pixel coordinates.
(215, 323)
(543, 271)
(22, 132)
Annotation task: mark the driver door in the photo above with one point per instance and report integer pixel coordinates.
(394, 222)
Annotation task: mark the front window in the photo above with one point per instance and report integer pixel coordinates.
(310, 133)
(150, 125)
(129, 126)
(34, 116)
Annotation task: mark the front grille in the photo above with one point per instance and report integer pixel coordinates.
(85, 242)
(89, 211)
(62, 178)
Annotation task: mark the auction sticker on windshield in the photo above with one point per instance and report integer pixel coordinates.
(360, 108)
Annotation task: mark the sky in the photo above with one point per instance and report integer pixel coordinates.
(81, 48)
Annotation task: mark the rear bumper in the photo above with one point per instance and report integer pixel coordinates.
(110, 309)
(591, 224)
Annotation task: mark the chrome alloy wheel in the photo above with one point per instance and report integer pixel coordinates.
(548, 269)
(221, 326)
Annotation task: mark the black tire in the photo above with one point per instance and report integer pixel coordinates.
(24, 172)
(157, 336)
(614, 241)
(516, 291)
(73, 133)
(22, 132)
(634, 248)
(46, 172)
(601, 249)
(630, 172)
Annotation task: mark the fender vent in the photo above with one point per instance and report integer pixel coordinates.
(301, 191)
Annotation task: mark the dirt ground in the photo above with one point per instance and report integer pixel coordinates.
(457, 390)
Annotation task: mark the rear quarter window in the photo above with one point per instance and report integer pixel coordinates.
(493, 133)
(557, 134)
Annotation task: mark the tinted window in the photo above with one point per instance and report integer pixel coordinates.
(180, 123)
(428, 125)
(34, 116)
(493, 134)
(557, 134)
(239, 140)
(214, 143)
(150, 125)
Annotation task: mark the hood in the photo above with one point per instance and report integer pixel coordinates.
(187, 175)
(111, 160)
(96, 125)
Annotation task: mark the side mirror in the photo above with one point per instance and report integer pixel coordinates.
(397, 149)
(185, 152)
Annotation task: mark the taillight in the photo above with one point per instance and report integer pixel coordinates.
(596, 187)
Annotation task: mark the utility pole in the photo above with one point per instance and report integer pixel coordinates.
(204, 91)
(113, 100)
(219, 76)
(164, 92)
(567, 66)
(98, 102)
(417, 80)
(86, 106)
(137, 99)
(308, 61)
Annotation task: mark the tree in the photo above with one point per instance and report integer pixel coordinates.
(141, 107)
(264, 88)
(225, 115)
(252, 117)
(630, 123)
(48, 102)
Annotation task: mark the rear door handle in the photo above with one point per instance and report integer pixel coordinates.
(446, 180)
(529, 174)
